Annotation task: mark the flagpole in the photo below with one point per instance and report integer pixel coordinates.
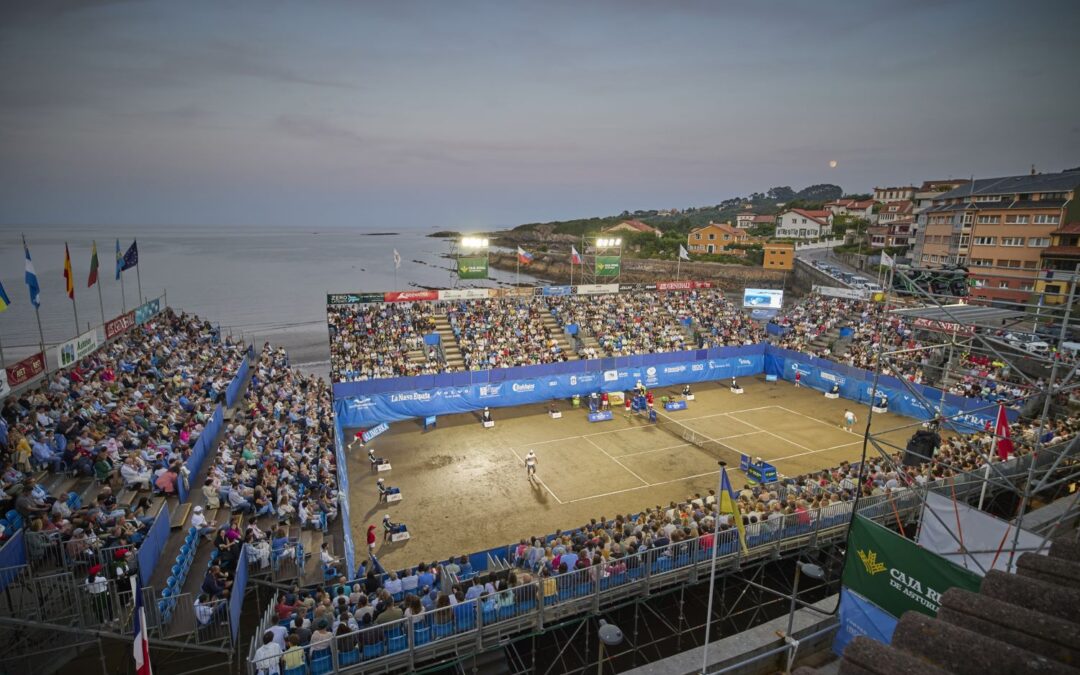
(712, 565)
(989, 458)
(2, 354)
(37, 315)
(517, 278)
(138, 277)
(678, 267)
(71, 279)
(571, 265)
(101, 302)
(123, 294)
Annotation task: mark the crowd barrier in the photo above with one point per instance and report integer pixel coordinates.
(151, 547)
(236, 597)
(370, 402)
(343, 490)
(202, 447)
(12, 555)
(235, 388)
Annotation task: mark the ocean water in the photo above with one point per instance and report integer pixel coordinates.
(268, 284)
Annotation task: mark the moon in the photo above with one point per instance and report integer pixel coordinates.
(832, 163)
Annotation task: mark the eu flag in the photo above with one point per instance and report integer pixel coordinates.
(131, 258)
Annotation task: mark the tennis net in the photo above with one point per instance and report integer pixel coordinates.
(696, 438)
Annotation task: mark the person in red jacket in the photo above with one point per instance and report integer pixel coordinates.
(371, 540)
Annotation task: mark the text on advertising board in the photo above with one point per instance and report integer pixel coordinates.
(119, 325)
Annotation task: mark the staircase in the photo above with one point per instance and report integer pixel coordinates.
(588, 341)
(451, 350)
(559, 335)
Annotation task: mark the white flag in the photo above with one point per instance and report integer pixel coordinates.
(397, 260)
(682, 253)
(887, 260)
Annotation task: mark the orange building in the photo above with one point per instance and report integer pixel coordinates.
(715, 237)
(779, 256)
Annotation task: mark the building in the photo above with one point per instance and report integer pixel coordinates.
(1057, 263)
(779, 256)
(748, 219)
(998, 228)
(632, 227)
(924, 199)
(894, 234)
(894, 194)
(859, 208)
(894, 211)
(715, 237)
(804, 224)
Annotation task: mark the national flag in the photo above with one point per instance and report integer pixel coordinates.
(524, 257)
(31, 279)
(887, 260)
(69, 278)
(119, 261)
(1004, 435)
(575, 257)
(131, 258)
(397, 260)
(141, 648)
(93, 267)
(5, 301)
(683, 253)
(729, 505)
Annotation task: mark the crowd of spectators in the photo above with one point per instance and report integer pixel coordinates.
(503, 333)
(370, 341)
(126, 416)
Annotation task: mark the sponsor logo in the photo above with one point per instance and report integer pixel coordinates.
(410, 296)
(361, 403)
(523, 387)
(422, 396)
(650, 372)
(553, 383)
(119, 325)
(489, 390)
(675, 369)
(802, 370)
(697, 367)
(745, 362)
(870, 562)
(573, 380)
(611, 375)
(829, 377)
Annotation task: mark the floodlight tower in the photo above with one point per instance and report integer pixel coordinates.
(607, 259)
(470, 256)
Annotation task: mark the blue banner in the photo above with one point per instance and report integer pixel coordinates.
(375, 431)
(675, 405)
(236, 595)
(147, 311)
(859, 616)
(154, 543)
(343, 504)
(557, 290)
(905, 398)
(202, 446)
(232, 392)
(12, 555)
(601, 416)
(613, 374)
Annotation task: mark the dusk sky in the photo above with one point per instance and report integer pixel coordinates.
(477, 114)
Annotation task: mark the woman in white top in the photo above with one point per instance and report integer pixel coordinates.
(410, 582)
(392, 584)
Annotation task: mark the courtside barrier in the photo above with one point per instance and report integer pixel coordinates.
(152, 546)
(343, 497)
(202, 447)
(12, 555)
(235, 388)
(236, 597)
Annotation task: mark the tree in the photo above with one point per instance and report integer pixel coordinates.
(822, 192)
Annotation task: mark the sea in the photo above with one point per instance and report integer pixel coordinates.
(264, 284)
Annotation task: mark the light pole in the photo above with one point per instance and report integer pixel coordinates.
(814, 572)
(605, 244)
(712, 565)
(609, 635)
(474, 247)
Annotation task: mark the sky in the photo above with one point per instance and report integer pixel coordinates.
(463, 114)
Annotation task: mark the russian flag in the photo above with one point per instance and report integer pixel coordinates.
(524, 257)
(575, 257)
(141, 648)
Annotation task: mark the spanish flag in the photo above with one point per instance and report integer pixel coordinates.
(730, 506)
(69, 278)
(4, 299)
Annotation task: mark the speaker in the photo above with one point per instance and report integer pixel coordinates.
(920, 447)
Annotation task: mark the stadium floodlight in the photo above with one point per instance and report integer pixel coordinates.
(474, 242)
(608, 243)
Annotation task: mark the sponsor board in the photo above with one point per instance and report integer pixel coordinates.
(465, 294)
(119, 325)
(682, 285)
(943, 326)
(763, 298)
(353, 298)
(399, 536)
(472, 268)
(601, 416)
(675, 405)
(375, 431)
(147, 311)
(395, 497)
(70, 352)
(521, 387)
(898, 575)
(26, 370)
(410, 296)
(608, 265)
(594, 289)
(385, 466)
(556, 290)
(834, 292)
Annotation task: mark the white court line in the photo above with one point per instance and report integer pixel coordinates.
(538, 479)
(766, 431)
(793, 412)
(645, 426)
(642, 487)
(684, 445)
(814, 452)
(593, 443)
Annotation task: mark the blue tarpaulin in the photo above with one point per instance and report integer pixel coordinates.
(859, 616)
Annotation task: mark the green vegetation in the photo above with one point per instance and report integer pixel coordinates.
(445, 234)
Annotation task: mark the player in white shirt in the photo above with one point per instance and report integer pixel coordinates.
(849, 420)
(530, 464)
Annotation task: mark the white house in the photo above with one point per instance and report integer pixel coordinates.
(804, 224)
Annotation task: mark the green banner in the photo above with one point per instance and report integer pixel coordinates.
(472, 268)
(607, 265)
(898, 575)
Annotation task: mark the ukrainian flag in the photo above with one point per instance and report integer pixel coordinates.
(728, 504)
(4, 299)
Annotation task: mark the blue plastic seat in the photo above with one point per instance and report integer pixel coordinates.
(441, 630)
(421, 636)
(397, 643)
(347, 658)
(373, 651)
(299, 670)
(322, 664)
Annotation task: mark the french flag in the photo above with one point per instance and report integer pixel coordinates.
(524, 257)
(575, 257)
(141, 648)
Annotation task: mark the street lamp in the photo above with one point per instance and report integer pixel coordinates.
(609, 635)
(814, 572)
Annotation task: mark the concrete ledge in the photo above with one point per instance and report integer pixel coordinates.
(736, 649)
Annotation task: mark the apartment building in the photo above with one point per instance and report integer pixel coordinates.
(998, 228)
(924, 199)
(894, 194)
(1058, 264)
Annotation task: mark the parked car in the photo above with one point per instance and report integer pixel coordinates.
(1027, 342)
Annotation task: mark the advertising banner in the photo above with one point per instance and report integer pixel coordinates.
(472, 268)
(26, 370)
(353, 298)
(119, 325)
(375, 431)
(682, 285)
(556, 290)
(4, 388)
(410, 296)
(764, 298)
(859, 616)
(834, 292)
(147, 311)
(68, 353)
(594, 289)
(943, 326)
(983, 535)
(465, 294)
(896, 574)
(607, 265)
(355, 409)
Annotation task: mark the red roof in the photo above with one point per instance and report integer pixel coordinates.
(821, 217)
(765, 219)
(1071, 228)
(635, 224)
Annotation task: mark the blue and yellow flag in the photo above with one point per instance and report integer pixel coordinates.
(4, 299)
(728, 504)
